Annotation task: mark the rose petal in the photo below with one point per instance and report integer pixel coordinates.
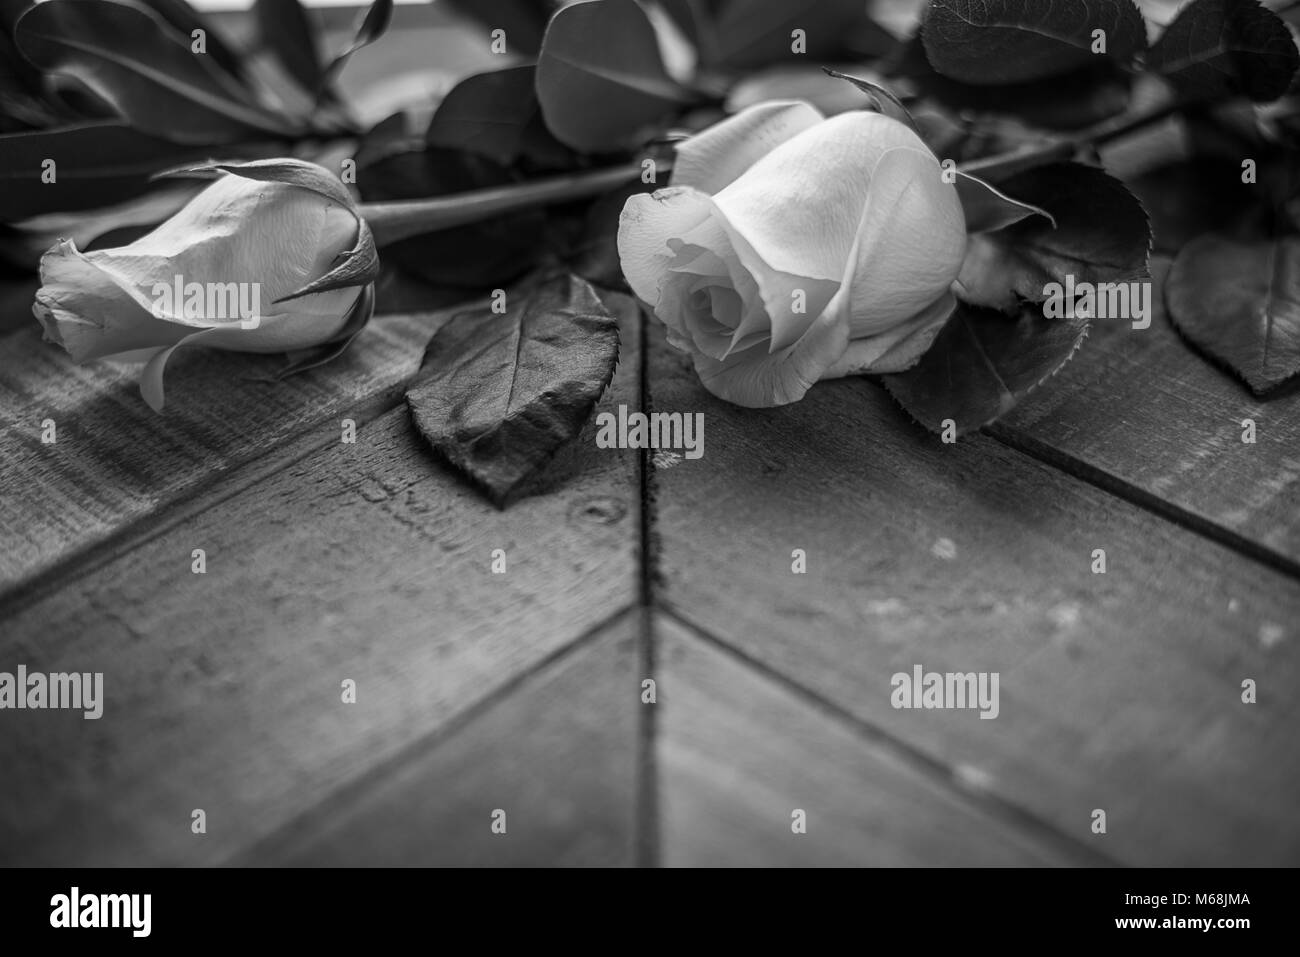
(90, 315)
(899, 348)
(758, 379)
(710, 251)
(716, 157)
(645, 226)
(234, 231)
(708, 334)
(779, 294)
(151, 376)
(909, 246)
(800, 207)
(655, 232)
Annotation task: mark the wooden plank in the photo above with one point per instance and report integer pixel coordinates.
(1118, 691)
(115, 460)
(738, 753)
(557, 755)
(1141, 408)
(368, 561)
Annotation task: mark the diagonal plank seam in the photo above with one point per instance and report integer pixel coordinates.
(1077, 468)
(180, 507)
(328, 807)
(939, 773)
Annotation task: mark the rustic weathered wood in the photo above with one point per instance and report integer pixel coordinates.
(738, 753)
(115, 460)
(1142, 412)
(1119, 691)
(369, 561)
(557, 755)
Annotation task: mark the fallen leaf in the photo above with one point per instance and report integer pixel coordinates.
(1239, 303)
(499, 394)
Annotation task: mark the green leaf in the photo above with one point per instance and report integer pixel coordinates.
(1101, 235)
(97, 165)
(497, 115)
(22, 101)
(358, 317)
(742, 34)
(291, 172)
(132, 58)
(284, 28)
(982, 363)
(373, 25)
(988, 209)
(1073, 100)
(881, 99)
(499, 395)
(1239, 303)
(185, 20)
(600, 79)
(524, 21)
(1018, 41)
(1217, 47)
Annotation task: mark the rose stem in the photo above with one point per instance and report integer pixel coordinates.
(1104, 134)
(394, 221)
(1099, 135)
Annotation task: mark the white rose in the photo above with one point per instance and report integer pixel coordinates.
(791, 248)
(282, 236)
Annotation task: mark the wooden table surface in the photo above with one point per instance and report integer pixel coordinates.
(522, 692)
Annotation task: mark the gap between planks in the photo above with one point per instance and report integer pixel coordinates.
(195, 500)
(944, 778)
(648, 849)
(1020, 441)
(309, 822)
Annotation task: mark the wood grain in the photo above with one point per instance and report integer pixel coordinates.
(368, 561)
(557, 754)
(1140, 407)
(1119, 691)
(738, 753)
(115, 460)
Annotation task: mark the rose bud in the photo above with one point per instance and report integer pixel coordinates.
(271, 257)
(790, 248)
